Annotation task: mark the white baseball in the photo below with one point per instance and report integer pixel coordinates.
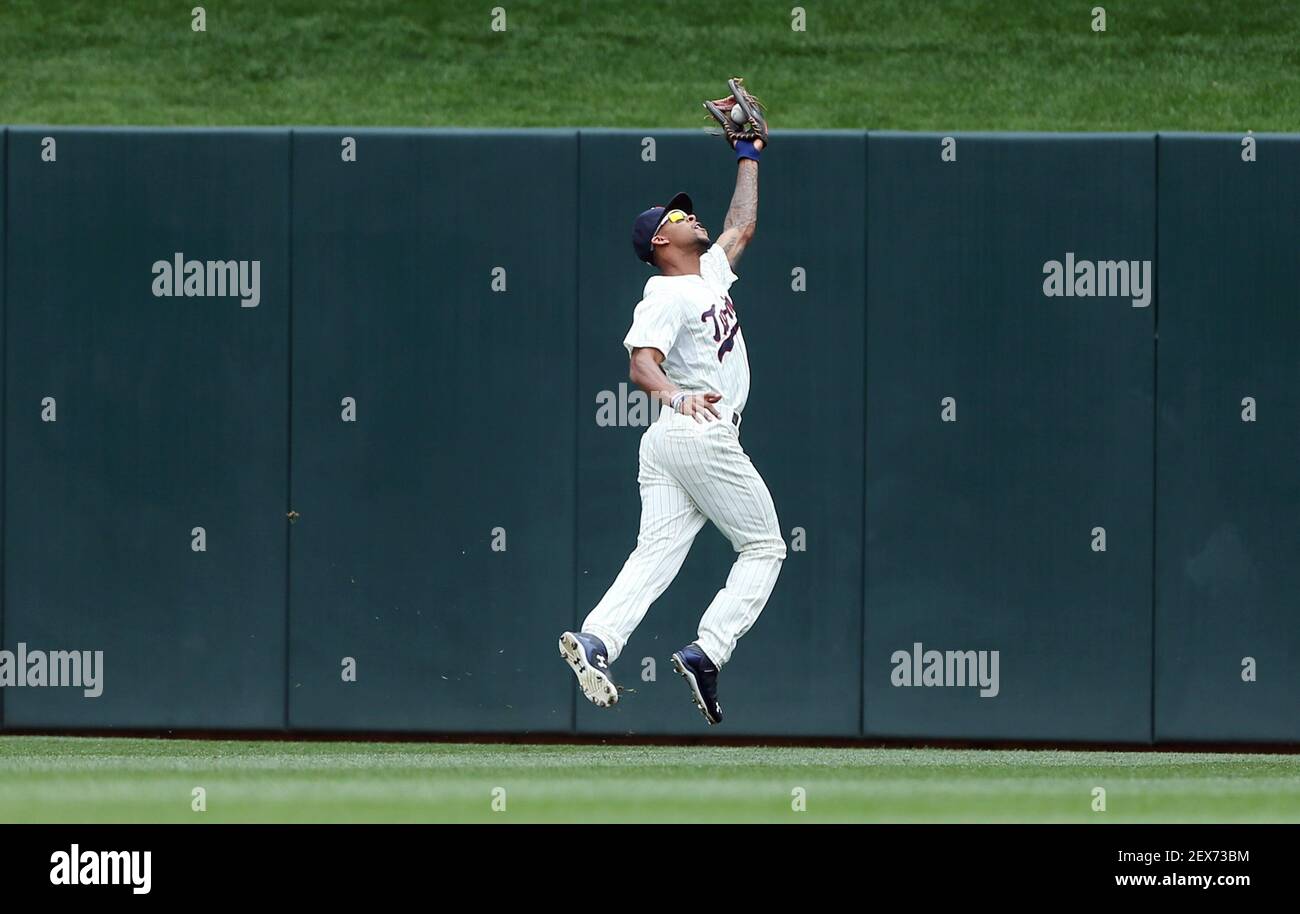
(738, 115)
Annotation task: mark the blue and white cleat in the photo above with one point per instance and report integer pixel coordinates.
(587, 656)
(701, 674)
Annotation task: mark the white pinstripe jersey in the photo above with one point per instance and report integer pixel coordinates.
(692, 321)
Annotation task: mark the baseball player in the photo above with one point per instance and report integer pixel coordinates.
(688, 352)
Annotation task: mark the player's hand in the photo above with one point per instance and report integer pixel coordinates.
(700, 407)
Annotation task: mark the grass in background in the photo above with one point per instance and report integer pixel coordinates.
(72, 779)
(902, 64)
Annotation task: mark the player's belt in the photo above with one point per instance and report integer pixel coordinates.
(727, 413)
(730, 415)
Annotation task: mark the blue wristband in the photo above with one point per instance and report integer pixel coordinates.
(745, 150)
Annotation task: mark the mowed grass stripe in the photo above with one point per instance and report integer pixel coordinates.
(117, 780)
(887, 64)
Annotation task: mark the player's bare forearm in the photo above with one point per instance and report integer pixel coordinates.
(742, 216)
(647, 373)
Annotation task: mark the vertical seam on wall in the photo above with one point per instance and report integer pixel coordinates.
(577, 392)
(4, 391)
(1155, 420)
(288, 457)
(862, 582)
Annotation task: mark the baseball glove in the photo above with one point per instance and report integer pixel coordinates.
(752, 120)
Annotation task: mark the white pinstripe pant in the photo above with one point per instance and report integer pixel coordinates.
(692, 472)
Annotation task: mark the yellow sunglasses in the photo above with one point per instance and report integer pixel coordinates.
(673, 215)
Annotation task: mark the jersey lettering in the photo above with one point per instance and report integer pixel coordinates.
(725, 324)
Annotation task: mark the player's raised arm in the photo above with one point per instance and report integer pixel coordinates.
(742, 215)
(745, 127)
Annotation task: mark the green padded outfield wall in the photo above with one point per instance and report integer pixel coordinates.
(433, 404)
(1228, 525)
(797, 670)
(397, 456)
(980, 529)
(134, 419)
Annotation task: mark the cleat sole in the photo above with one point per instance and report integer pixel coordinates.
(595, 685)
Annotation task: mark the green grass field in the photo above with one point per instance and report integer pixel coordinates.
(900, 64)
(71, 779)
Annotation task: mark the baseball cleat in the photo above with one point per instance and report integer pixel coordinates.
(701, 674)
(586, 654)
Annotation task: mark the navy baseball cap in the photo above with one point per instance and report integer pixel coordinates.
(647, 224)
